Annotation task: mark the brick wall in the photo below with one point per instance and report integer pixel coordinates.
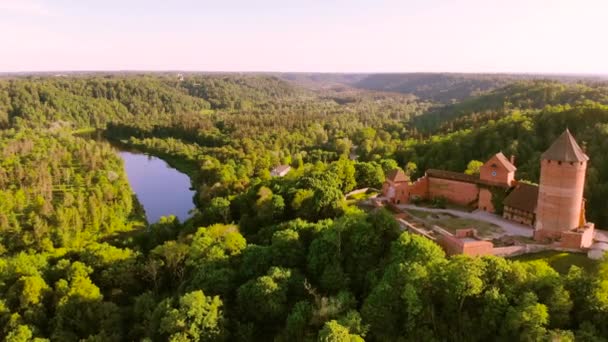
(485, 201)
(420, 188)
(478, 248)
(457, 192)
(453, 245)
(560, 195)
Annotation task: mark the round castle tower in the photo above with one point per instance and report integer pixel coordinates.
(562, 181)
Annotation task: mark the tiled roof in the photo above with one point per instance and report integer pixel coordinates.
(523, 197)
(397, 176)
(456, 176)
(565, 149)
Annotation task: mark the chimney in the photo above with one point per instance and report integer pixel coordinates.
(512, 159)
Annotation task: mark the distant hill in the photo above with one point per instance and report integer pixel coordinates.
(520, 95)
(444, 88)
(323, 80)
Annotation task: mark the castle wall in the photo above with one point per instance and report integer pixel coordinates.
(485, 201)
(560, 196)
(478, 248)
(420, 188)
(580, 238)
(457, 192)
(458, 244)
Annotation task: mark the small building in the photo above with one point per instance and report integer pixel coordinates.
(498, 170)
(280, 171)
(464, 241)
(520, 204)
(395, 187)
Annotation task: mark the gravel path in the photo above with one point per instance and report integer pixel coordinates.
(510, 228)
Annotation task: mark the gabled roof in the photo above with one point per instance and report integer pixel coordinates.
(565, 149)
(523, 197)
(397, 176)
(505, 162)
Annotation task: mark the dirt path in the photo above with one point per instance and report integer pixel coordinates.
(510, 228)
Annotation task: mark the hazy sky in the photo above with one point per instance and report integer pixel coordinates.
(558, 36)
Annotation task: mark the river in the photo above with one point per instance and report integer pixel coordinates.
(161, 189)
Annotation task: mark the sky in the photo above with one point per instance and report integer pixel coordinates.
(523, 36)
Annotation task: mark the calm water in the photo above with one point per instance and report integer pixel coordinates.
(161, 189)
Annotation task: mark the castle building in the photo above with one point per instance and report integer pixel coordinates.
(396, 187)
(555, 208)
(560, 210)
(497, 174)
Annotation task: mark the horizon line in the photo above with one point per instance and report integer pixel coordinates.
(109, 71)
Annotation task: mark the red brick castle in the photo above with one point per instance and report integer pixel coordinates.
(555, 208)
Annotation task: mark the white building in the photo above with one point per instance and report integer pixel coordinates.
(280, 171)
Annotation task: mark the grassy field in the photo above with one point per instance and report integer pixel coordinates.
(484, 229)
(421, 214)
(452, 223)
(561, 261)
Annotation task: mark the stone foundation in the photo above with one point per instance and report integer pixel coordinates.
(576, 238)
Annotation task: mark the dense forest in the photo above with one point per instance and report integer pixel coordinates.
(277, 258)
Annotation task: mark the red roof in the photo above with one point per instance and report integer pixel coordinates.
(397, 176)
(505, 162)
(565, 149)
(456, 176)
(523, 197)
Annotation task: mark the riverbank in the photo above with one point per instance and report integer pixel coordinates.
(156, 176)
(181, 164)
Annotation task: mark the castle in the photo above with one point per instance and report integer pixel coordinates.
(555, 208)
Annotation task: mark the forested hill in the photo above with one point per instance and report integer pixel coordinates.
(521, 95)
(441, 88)
(274, 258)
(436, 87)
(96, 100)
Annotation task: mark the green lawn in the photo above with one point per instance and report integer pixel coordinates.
(484, 229)
(419, 213)
(451, 223)
(561, 261)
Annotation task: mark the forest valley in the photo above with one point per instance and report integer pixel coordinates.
(278, 258)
